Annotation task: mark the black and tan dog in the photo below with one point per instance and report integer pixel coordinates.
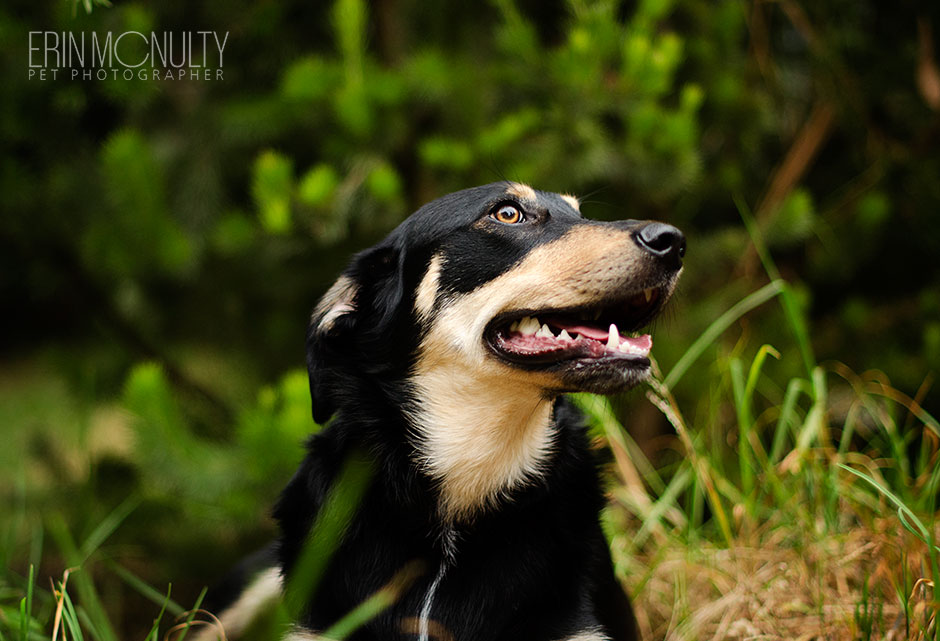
(444, 353)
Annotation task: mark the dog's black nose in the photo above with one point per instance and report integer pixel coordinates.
(664, 241)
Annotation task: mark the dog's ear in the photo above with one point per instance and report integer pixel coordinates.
(338, 302)
(353, 313)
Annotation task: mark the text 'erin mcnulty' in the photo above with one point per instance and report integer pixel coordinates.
(180, 55)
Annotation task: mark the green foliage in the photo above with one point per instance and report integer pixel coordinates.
(134, 235)
(318, 186)
(383, 183)
(181, 467)
(271, 188)
(794, 222)
(164, 242)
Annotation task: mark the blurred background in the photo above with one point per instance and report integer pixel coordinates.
(163, 241)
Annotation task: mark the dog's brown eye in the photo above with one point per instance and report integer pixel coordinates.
(508, 214)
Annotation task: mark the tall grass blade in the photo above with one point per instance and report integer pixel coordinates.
(327, 532)
(814, 428)
(663, 399)
(187, 624)
(600, 415)
(26, 605)
(144, 589)
(108, 525)
(70, 617)
(83, 581)
(666, 501)
(153, 635)
(791, 308)
(902, 399)
(908, 519)
(742, 408)
(377, 603)
(718, 327)
(756, 366)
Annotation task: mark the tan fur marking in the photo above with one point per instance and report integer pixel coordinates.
(300, 634)
(522, 192)
(588, 635)
(436, 631)
(484, 439)
(572, 200)
(485, 427)
(427, 289)
(338, 300)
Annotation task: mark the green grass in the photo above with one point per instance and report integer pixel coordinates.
(824, 506)
(784, 506)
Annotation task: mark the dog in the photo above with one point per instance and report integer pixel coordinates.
(442, 355)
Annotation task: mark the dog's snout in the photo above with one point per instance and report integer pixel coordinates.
(663, 241)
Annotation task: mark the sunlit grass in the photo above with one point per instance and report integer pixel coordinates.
(812, 542)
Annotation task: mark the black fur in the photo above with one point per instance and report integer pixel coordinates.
(538, 569)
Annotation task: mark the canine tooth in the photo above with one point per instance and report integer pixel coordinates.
(564, 335)
(528, 325)
(648, 293)
(613, 338)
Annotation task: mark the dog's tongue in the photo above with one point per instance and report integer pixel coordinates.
(596, 333)
(639, 343)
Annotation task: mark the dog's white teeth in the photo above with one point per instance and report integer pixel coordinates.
(613, 337)
(529, 326)
(545, 332)
(627, 348)
(564, 335)
(648, 294)
(514, 327)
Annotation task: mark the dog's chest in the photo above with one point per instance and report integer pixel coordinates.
(475, 583)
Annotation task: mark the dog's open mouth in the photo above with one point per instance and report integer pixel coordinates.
(606, 332)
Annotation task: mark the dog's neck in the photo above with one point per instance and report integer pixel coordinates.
(479, 436)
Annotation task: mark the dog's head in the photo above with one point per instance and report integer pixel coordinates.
(502, 281)
(472, 316)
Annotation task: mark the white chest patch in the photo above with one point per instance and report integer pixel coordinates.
(477, 440)
(480, 431)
